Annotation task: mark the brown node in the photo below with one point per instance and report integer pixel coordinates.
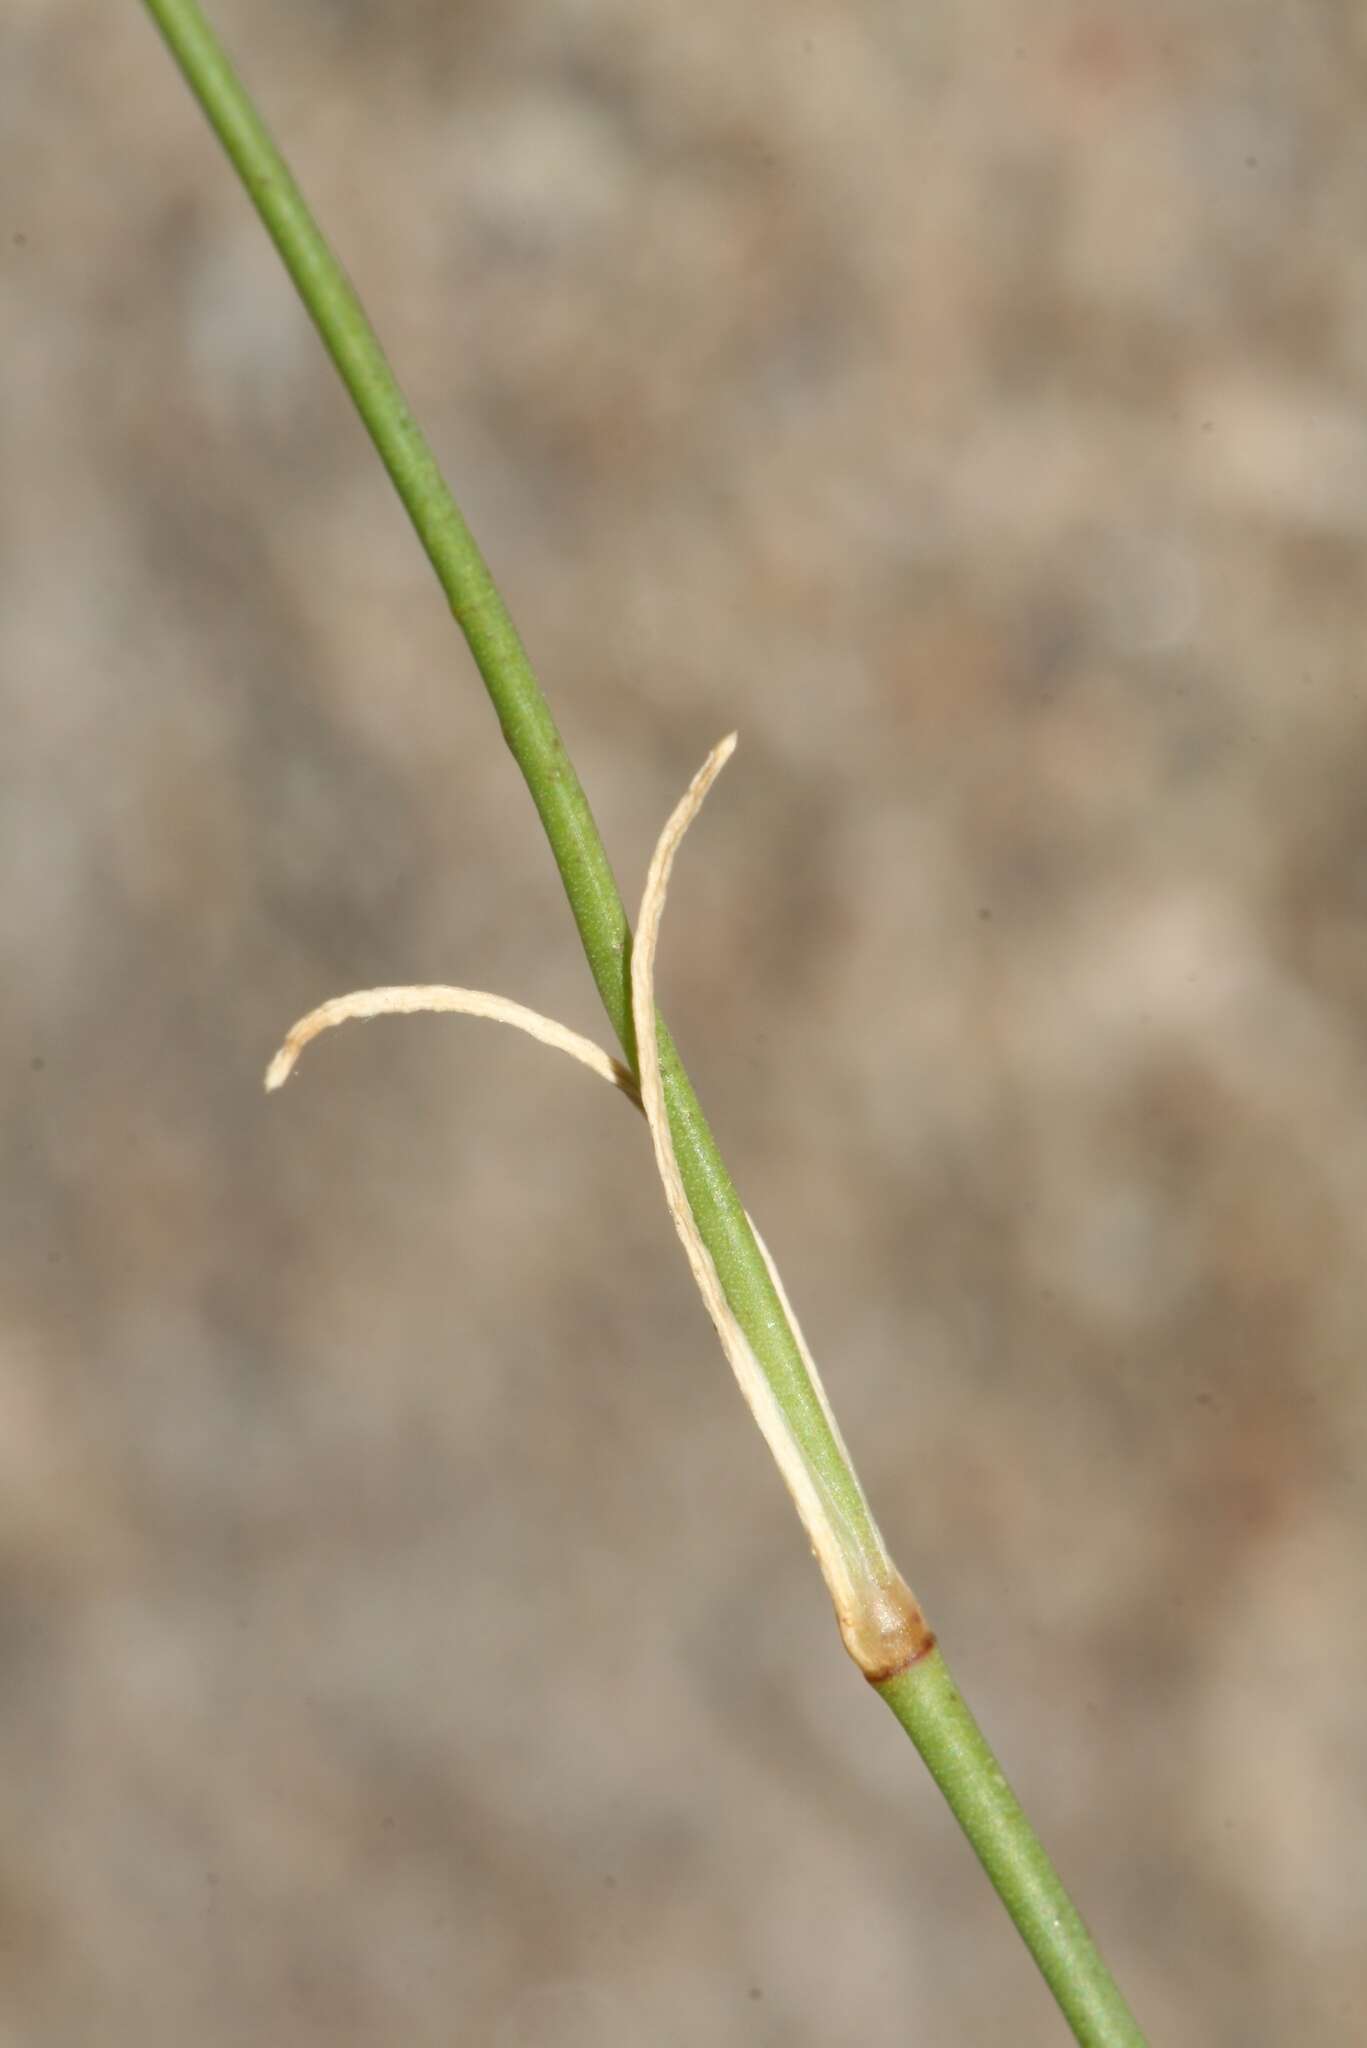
(887, 1634)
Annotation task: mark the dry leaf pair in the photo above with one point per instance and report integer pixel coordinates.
(882, 1625)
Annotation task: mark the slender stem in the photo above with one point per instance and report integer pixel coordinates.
(931, 1708)
(923, 1697)
(523, 714)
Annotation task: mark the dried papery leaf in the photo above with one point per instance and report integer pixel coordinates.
(881, 1624)
(468, 1002)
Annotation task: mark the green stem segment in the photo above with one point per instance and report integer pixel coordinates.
(923, 1697)
(935, 1715)
(523, 713)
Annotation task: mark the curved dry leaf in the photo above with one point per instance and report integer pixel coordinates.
(468, 1002)
(880, 1621)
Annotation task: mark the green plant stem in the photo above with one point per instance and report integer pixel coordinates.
(523, 714)
(923, 1698)
(935, 1715)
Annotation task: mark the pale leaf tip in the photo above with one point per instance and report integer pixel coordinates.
(280, 1068)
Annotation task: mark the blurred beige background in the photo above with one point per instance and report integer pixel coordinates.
(403, 1638)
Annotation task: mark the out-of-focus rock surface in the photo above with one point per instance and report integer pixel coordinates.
(402, 1637)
